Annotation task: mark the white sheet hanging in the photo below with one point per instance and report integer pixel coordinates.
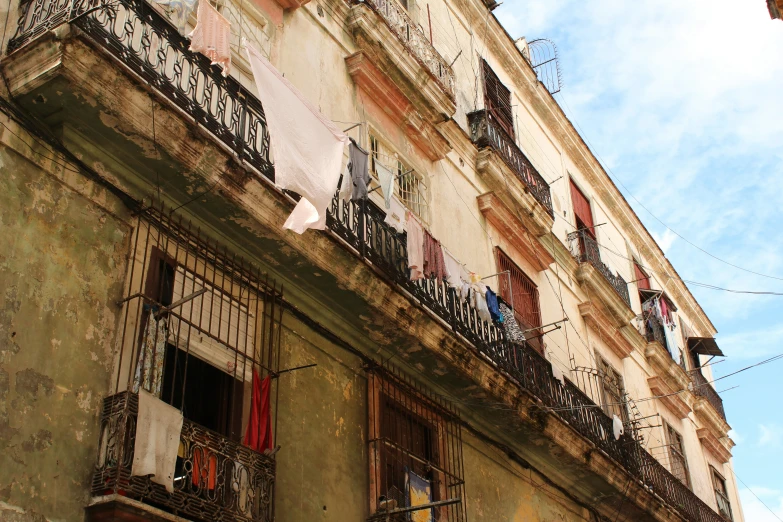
(617, 427)
(211, 36)
(307, 147)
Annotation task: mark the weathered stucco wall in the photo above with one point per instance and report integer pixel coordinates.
(62, 263)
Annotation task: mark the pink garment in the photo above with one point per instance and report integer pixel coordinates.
(415, 244)
(211, 36)
(434, 264)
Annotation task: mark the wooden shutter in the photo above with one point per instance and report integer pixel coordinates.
(522, 295)
(642, 279)
(582, 209)
(497, 100)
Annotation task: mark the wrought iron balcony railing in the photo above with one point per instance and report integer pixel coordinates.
(145, 42)
(703, 388)
(416, 42)
(141, 39)
(586, 250)
(486, 133)
(215, 478)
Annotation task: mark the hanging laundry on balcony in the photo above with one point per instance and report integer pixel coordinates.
(514, 333)
(454, 270)
(492, 305)
(557, 373)
(158, 429)
(356, 178)
(307, 147)
(179, 11)
(149, 367)
(386, 180)
(211, 36)
(395, 215)
(617, 427)
(434, 264)
(258, 435)
(478, 291)
(464, 292)
(415, 246)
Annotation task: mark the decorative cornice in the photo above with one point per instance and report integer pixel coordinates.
(664, 367)
(512, 191)
(714, 445)
(670, 398)
(501, 217)
(396, 105)
(605, 293)
(610, 334)
(709, 418)
(291, 4)
(633, 336)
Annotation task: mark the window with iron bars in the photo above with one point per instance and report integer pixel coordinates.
(721, 494)
(522, 294)
(197, 323)
(409, 185)
(613, 398)
(416, 468)
(678, 463)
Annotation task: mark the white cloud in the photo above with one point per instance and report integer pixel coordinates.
(755, 511)
(753, 345)
(770, 435)
(665, 240)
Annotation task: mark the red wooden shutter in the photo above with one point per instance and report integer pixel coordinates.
(523, 295)
(582, 209)
(497, 100)
(642, 279)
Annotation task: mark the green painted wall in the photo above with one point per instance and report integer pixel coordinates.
(62, 262)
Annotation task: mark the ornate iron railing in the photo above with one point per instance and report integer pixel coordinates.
(361, 226)
(486, 133)
(586, 250)
(216, 479)
(416, 42)
(145, 42)
(703, 388)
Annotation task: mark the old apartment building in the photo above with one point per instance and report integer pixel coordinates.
(143, 260)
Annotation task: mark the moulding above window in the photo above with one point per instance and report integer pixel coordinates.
(399, 64)
(669, 397)
(709, 418)
(714, 445)
(291, 4)
(598, 320)
(397, 106)
(510, 189)
(664, 367)
(513, 229)
(603, 292)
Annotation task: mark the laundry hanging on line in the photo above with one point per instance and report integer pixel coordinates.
(212, 36)
(179, 11)
(258, 434)
(356, 178)
(307, 148)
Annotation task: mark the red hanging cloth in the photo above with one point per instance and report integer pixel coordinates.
(258, 435)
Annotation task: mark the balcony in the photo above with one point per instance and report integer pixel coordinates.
(240, 488)
(486, 133)
(585, 250)
(702, 388)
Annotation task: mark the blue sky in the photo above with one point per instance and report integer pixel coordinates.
(683, 101)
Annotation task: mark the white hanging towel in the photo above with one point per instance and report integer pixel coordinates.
(211, 36)
(454, 269)
(395, 215)
(386, 180)
(557, 373)
(307, 148)
(617, 427)
(158, 428)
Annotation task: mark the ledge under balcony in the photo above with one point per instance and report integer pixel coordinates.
(510, 174)
(708, 406)
(609, 288)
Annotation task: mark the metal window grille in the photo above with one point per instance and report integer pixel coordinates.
(197, 322)
(721, 494)
(411, 188)
(416, 468)
(613, 396)
(677, 462)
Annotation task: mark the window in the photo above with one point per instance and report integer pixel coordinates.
(721, 494)
(613, 400)
(415, 450)
(582, 211)
(641, 277)
(678, 464)
(409, 185)
(497, 100)
(522, 295)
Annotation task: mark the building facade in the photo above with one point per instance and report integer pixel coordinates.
(143, 248)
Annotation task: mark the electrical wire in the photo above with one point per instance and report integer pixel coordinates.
(754, 494)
